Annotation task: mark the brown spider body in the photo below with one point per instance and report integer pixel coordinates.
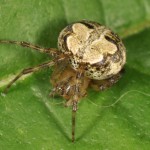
(64, 80)
(89, 55)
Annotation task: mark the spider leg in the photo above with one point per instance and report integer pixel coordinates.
(51, 51)
(74, 109)
(30, 70)
(75, 99)
(106, 83)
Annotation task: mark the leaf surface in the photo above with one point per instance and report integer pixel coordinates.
(29, 119)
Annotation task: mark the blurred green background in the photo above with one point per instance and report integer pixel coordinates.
(30, 120)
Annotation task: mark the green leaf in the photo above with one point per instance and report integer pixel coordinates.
(29, 119)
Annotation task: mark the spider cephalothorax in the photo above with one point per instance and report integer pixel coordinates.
(89, 54)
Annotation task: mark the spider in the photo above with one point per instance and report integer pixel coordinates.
(89, 54)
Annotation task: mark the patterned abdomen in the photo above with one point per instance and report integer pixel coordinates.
(93, 46)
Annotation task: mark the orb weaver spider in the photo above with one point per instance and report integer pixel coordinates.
(89, 54)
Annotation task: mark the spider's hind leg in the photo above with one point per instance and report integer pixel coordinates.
(100, 85)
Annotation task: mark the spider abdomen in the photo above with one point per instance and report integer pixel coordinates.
(93, 46)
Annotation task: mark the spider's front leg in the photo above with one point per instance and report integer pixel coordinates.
(79, 82)
(72, 86)
(30, 70)
(51, 51)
